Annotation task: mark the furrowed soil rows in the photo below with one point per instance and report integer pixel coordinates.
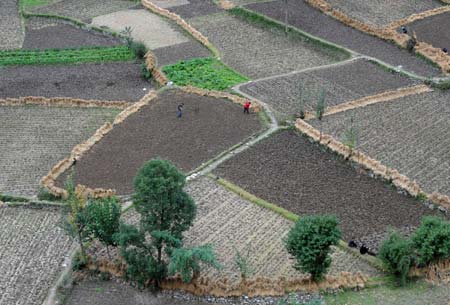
(229, 222)
(409, 134)
(32, 253)
(109, 81)
(11, 34)
(34, 138)
(149, 28)
(342, 83)
(196, 8)
(379, 13)
(290, 171)
(310, 20)
(183, 51)
(208, 127)
(433, 30)
(258, 52)
(84, 10)
(41, 34)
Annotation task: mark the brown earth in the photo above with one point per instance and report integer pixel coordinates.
(299, 176)
(208, 127)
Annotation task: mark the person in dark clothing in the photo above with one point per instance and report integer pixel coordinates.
(180, 110)
(247, 107)
(404, 30)
(445, 50)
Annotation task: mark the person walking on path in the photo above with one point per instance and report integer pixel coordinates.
(180, 110)
(247, 107)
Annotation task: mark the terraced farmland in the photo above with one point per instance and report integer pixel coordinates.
(109, 81)
(290, 171)
(342, 83)
(409, 134)
(432, 30)
(379, 13)
(11, 34)
(208, 127)
(311, 20)
(32, 254)
(228, 222)
(258, 52)
(35, 138)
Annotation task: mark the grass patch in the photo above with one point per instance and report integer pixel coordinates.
(332, 50)
(416, 292)
(33, 3)
(8, 198)
(206, 73)
(65, 56)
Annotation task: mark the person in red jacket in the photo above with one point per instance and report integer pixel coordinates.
(247, 107)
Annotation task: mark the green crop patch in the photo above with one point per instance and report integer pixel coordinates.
(65, 56)
(206, 73)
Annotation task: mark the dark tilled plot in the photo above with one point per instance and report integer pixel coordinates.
(183, 51)
(342, 83)
(62, 36)
(196, 8)
(290, 171)
(112, 81)
(208, 127)
(433, 30)
(306, 18)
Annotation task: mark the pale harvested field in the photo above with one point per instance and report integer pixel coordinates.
(229, 222)
(35, 138)
(169, 3)
(257, 52)
(382, 12)
(409, 134)
(152, 30)
(33, 249)
(342, 83)
(11, 32)
(84, 10)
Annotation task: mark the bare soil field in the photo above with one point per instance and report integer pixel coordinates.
(208, 127)
(35, 138)
(151, 29)
(258, 52)
(310, 20)
(53, 35)
(183, 51)
(109, 81)
(342, 83)
(196, 8)
(380, 13)
(409, 134)
(32, 254)
(11, 33)
(231, 223)
(290, 171)
(97, 292)
(433, 30)
(84, 10)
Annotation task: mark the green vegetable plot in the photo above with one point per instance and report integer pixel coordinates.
(206, 73)
(65, 56)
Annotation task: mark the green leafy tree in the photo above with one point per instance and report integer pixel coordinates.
(104, 220)
(76, 218)
(166, 212)
(310, 241)
(432, 240)
(397, 256)
(188, 261)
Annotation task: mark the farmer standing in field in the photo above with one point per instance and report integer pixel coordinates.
(247, 107)
(180, 110)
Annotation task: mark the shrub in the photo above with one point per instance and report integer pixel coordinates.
(166, 212)
(44, 194)
(432, 240)
(242, 263)
(396, 253)
(310, 241)
(79, 261)
(146, 73)
(187, 261)
(104, 220)
(138, 48)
